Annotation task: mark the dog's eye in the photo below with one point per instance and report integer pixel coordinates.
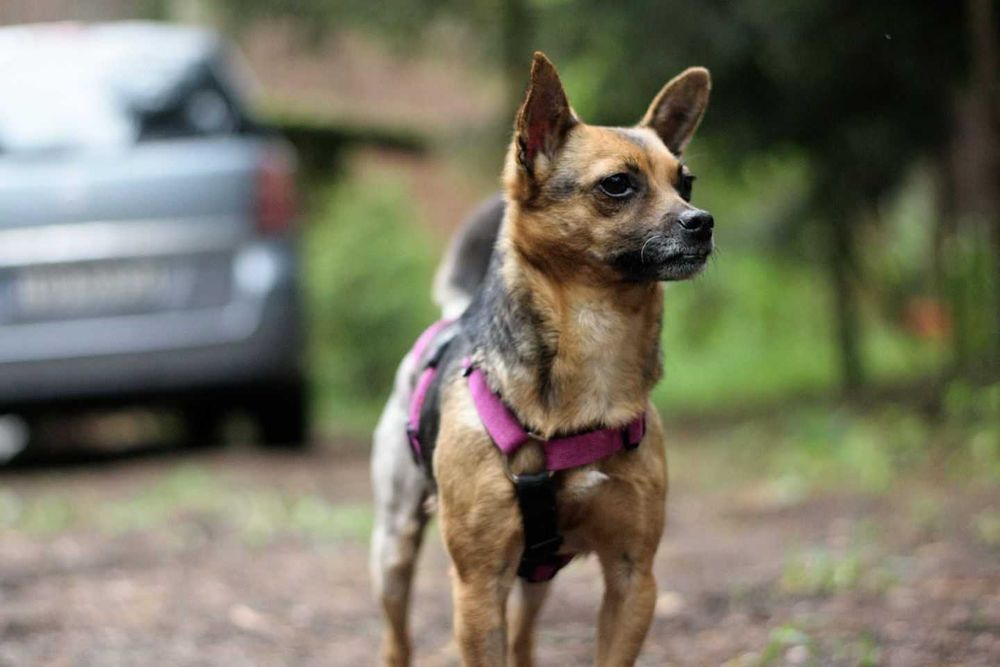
(684, 185)
(618, 186)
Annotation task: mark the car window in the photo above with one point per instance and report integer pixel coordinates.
(76, 93)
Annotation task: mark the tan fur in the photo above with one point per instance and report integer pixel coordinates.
(620, 521)
(605, 333)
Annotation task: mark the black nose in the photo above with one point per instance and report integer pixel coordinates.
(696, 220)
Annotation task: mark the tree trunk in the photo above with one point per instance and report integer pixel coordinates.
(841, 261)
(985, 101)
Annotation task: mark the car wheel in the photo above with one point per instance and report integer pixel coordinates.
(282, 416)
(203, 426)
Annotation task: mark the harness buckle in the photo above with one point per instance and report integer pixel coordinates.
(513, 477)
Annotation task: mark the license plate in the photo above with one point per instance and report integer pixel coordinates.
(95, 289)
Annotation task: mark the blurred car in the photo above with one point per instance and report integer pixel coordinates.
(147, 229)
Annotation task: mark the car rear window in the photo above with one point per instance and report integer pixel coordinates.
(66, 89)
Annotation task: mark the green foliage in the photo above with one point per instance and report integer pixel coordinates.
(368, 276)
(750, 330)
(186, 499)
(757, 326)
(972, 417)
(806, 450)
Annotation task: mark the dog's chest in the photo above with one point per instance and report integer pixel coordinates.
(598, 370)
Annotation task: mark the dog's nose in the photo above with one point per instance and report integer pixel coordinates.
(696, 220)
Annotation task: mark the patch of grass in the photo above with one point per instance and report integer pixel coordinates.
(860, 450)
(46, 514)
(927, 515)
(807, 450)
(261, 518)
(986, 528)
(861, 651)
(972, 419)
(186, 499)
(822, 571)
(788, 644)
(793, 644)
(185, 489)
(819, 572)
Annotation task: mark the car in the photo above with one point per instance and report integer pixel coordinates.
(148, 230)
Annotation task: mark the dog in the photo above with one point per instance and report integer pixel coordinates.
(552, 296)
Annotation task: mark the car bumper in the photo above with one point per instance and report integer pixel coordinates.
(253, 340)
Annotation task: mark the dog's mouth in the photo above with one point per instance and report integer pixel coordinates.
(683, 265)
(662, 258)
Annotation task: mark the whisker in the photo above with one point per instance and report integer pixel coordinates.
(642, 251)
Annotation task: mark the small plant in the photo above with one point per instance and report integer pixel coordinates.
(790, 645)
(824, 572)
(818, 572)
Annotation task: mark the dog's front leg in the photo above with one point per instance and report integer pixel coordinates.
(481, 530)
(627, 608)
(523, 636)
(480, 625)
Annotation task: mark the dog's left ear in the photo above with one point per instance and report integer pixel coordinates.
(677, 110)
(545, 116)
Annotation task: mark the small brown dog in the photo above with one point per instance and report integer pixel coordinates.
(529, 414)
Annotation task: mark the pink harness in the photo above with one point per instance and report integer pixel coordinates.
(571, 451)
(423, 383)
(536, 493)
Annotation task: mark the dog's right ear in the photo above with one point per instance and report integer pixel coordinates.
(543, 119)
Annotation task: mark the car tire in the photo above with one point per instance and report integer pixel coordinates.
(203, 426)
(282, 415)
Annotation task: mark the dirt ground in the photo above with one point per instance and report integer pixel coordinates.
(241, 557)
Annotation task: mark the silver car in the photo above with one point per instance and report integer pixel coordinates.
(147, 229)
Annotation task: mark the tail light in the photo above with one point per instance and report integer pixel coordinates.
(277, 201)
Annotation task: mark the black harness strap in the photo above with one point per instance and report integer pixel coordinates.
(536, 496)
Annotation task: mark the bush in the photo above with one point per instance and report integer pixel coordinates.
(369, 265)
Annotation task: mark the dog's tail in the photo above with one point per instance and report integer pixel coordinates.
(467, 259)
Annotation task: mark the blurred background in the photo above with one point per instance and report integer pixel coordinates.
(218, 226)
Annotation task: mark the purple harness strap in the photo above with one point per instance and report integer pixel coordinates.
(571, 451)
(535, 492)
(423, 384)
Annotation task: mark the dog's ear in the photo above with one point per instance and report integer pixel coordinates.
(545, 116)
(677, 110)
